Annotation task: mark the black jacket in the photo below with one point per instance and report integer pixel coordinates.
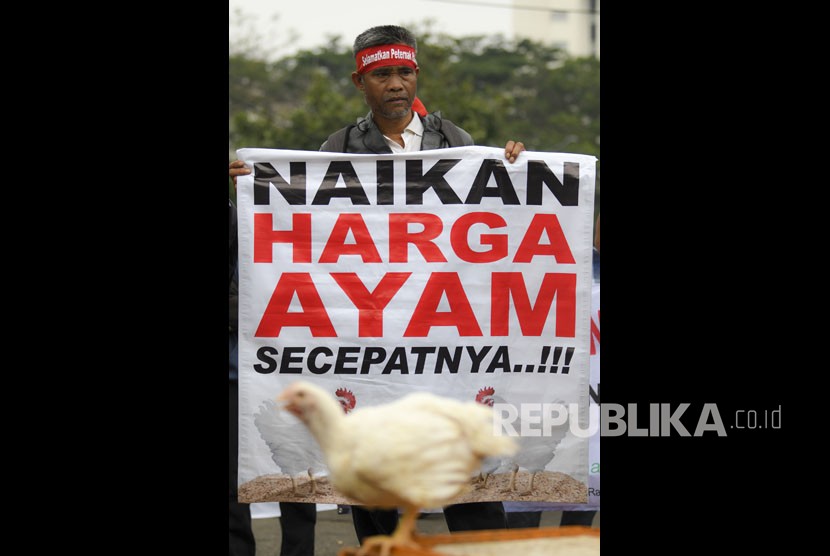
(365, 138)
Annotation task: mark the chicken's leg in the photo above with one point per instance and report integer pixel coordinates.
(404, 535)
(530, 488)
(511, 486)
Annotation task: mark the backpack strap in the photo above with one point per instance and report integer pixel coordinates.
(437, 130)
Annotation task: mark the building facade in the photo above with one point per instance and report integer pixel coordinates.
(572, 25)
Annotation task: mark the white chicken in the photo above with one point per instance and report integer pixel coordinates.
(291, 445)
(534, 454)
(416, 452)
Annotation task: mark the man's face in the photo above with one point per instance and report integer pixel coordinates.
(389, 90)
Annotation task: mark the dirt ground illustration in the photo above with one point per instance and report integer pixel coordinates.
(547, 487)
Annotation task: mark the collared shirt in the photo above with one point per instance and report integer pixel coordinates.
(411, 137)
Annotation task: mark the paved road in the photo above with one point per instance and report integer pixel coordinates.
(336, 531)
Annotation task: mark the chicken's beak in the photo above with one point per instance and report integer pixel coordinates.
(282, 400)
(284, 403)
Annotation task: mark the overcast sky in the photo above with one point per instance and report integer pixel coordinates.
(314, 20)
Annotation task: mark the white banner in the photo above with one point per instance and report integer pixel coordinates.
(447, 270)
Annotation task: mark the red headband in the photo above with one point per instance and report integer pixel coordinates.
(385, 55)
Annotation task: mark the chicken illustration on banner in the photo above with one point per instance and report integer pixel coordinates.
(534, 453)
(291, 447)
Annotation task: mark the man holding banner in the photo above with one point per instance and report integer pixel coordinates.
(310, 202)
